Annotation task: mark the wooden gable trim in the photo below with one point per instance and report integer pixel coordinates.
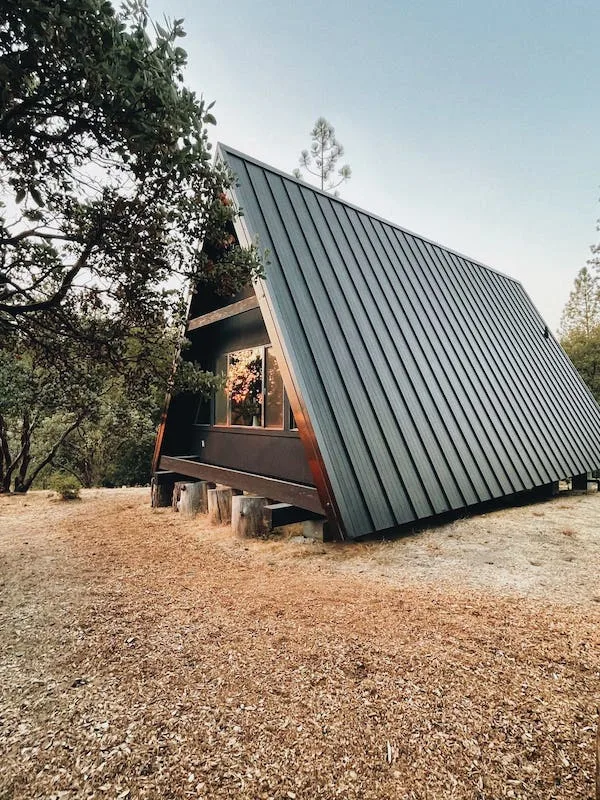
(247, 304)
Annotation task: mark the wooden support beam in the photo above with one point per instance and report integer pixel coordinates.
(165, 476)
(223, 313)
(278, 514)
(296, 494)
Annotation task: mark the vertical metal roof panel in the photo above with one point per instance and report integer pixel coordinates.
(428, 378)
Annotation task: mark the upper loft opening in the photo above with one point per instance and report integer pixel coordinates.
(205, 298)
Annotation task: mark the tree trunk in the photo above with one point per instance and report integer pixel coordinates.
(247, 516)
(219, 505)
(177, 487)
(161, 492)
(6, 475)
(25, 453)
(49, 458)
(190, 498)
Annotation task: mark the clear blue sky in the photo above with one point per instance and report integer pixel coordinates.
(474, 123)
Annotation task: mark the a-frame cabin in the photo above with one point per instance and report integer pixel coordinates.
(386, 379)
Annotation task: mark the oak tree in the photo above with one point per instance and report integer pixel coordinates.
(108, 192)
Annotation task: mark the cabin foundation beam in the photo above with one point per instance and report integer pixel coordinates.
(279, 514)
(294, 493)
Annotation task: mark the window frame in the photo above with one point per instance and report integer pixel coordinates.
(283, 427)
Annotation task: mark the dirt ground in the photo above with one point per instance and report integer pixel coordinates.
(548, 550)
(146, 655)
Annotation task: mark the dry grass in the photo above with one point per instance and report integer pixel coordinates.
(142, 655)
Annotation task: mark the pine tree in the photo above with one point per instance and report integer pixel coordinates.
(321, 161)
(580, 328)
(582, 311)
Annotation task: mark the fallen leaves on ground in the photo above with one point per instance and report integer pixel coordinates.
(143, 655)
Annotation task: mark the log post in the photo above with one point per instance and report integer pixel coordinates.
(161, 491)
(219, 505)
(205, 486)
(177, 494)
(247, 516)
(190, 498)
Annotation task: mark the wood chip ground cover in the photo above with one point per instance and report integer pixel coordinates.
(143, 655)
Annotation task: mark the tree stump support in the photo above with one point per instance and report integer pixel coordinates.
(177, 493)
(161, 490)
(248, 517)
(219, 504)
(204, 490)
(190, 498)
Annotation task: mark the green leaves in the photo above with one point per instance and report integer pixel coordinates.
(109, 194)
(104, 149)
(189, 377)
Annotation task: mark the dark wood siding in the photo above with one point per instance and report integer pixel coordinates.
(277, 454)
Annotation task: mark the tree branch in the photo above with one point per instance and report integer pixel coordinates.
(59, 295)
(52, 454)
(33, 232)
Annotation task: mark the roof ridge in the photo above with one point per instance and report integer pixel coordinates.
(226, 149)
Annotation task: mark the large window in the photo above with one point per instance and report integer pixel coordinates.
(253, 392)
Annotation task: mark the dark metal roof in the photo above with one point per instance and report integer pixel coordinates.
(430, 380)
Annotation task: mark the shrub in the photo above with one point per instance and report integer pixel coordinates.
(67, 486)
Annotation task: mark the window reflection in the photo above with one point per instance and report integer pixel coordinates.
(252, 393)
(273, 391)
(221, 402)
(244, 386)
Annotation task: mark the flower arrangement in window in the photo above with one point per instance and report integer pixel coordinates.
(244, 386)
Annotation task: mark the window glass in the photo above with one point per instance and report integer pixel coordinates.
(220, 396)
(244, 386)
(293, 424)
(273, 392)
